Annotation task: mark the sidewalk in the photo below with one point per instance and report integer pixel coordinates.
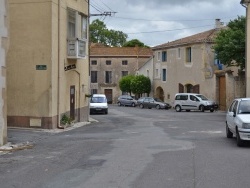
(25, 140)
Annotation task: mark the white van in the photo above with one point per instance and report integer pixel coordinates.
(193, 101)
(98, 103)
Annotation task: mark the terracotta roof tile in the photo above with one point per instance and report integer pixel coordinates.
(120, 51)
(206, 36)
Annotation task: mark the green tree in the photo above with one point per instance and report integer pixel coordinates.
(230, 43)
(133, 43)
(125, 83)
(140, 84)
(99, 33)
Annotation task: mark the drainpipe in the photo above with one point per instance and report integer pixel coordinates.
(59, 68)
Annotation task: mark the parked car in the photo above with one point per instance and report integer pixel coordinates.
(193, 101)
(126, 100)
(238, 120)
(150, 102)
(98, 103)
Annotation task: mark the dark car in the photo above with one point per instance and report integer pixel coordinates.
(150, 102)
(126, 100)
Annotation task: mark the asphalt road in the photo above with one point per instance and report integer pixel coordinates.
(130, 148)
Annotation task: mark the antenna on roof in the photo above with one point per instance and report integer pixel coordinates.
(104, 14)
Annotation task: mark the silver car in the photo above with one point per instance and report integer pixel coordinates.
(150, 102)
(126, 100)
(238, 120)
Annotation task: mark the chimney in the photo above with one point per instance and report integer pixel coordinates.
(218, 24)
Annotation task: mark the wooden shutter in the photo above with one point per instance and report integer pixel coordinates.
(196, 88)
(181, 88)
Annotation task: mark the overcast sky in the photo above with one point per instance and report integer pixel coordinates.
(156, 22)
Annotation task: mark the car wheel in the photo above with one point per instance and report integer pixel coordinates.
(106, 112)
(119, 104)
(157, 107)
(211, 110)
(178, 108)
(133, 104)
(141, 106)
(228, 132)
(238, 139)
(202, 108)
(187, 110)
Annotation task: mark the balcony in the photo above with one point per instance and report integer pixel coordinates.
(76, 48)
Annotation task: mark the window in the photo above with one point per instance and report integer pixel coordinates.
(159, 56)
(188, 54)
(181, 97)
(124, 73)
(84, 27)
(71, 23)
(193, 98)
(124, 62)
(108, 77)
(93, 91)
(164, 56)
(93, 76)
(77, 34)
(93, 62)
(179, 53)
(108, 62)
(156, 73)
(164, 74)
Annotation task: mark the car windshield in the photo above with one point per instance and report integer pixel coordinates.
(244, 107)
(202, 97)
(98, 100)
(157, 100)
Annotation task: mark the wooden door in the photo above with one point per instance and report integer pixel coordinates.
(109, 95)
(222, 93)
(72, 102)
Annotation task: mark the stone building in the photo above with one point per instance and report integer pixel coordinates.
(190, 65)
(109, 64)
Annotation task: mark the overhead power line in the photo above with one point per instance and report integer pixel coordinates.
(142, 19)
(168, 30)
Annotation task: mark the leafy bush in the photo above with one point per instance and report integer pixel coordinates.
(66, 119)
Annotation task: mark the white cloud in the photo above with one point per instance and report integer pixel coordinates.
(139, 16)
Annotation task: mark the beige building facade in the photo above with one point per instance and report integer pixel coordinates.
(48, 67)
(246, 4)
(190, 65)
(3, 52)
(110, 64)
